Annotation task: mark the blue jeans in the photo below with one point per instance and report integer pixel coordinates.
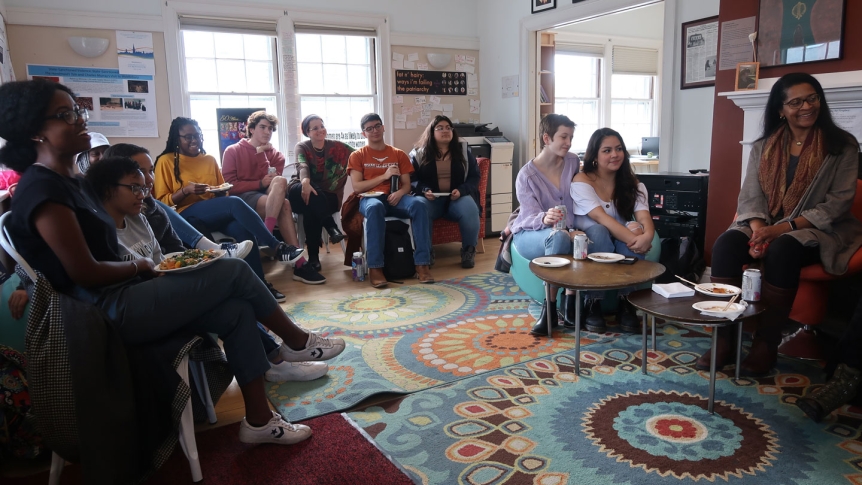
(232, 216)
(601, 241)
(374, 209)
(544, 242)
(187, 233)
(463, 211)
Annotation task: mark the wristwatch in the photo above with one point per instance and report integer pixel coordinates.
(792, 224)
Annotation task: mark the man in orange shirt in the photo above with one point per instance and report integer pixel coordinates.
(371, 168)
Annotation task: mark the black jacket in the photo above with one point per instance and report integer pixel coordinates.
(465, 177)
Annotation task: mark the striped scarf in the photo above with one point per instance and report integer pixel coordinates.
(773, 169)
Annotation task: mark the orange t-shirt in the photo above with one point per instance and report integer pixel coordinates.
(374, 163)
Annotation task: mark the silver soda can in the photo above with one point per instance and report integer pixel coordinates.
(581, 246)
(561, 224)
(751, 285)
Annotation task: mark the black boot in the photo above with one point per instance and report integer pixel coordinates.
(725, 347)
(335, 234)
(549, 312)
(595, 319)
(764, 349)
(840, 390)
(570, 302)
(626, 317)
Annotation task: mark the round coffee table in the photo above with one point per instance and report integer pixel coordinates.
(584, 274)
(680, 310)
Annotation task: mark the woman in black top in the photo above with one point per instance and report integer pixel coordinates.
(62, 230)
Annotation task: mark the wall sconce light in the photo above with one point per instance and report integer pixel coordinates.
(439, 61)
(89, 46)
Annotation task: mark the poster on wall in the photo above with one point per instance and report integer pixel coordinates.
(6, 73)
(431, 82)
(135, 53)
(120, 104)
(699, 53)
(231, 126)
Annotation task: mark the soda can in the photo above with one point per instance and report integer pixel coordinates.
(561, 224)
(751, 285)
(272, 171)
(581, 246)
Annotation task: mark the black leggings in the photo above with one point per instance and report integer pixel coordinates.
(316, 215)
(781, 264)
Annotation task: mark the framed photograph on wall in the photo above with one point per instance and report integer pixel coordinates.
(542, 5)
(747, 75)
(794, 31)
(699, 53)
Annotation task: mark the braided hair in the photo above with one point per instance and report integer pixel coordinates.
(173, 144)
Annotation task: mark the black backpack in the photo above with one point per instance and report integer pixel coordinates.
(398, 252)
(681, 257)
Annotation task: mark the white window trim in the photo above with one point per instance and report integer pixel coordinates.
(179, 96)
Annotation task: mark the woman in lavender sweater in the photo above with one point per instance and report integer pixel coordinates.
(542, 185)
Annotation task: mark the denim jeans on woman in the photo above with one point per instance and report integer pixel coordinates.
(375, 209)
(544, 242)
(463, 211)
(602, 241)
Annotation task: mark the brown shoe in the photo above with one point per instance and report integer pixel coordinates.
(378, 280)
(760, 359)
(725, 350)
(424, 274)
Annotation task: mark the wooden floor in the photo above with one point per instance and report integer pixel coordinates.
(339, 282)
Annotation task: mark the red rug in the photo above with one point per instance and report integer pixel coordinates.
(336, 453)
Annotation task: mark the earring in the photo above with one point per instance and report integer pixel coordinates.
(39, 140)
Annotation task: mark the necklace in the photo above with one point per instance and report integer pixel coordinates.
(798, 143)
(318, 150)
(442, 156)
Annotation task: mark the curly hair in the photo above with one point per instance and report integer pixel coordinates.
(255, 118)
(429, 145)
(125, 150)
(23, 107)
(625, 183)
(173, 144)
(105, 175)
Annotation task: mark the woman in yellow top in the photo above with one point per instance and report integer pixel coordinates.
(184, 173)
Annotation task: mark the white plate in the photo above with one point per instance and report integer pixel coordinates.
(219, 254)
(717, 307)
(551, 261)
(441, 194)
(726, 290)
(371, 194)
(220, 188)
(606, 257)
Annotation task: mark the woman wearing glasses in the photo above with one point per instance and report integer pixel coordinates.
(793, 211)
(446, 177)
(184, 173)
(316, 189)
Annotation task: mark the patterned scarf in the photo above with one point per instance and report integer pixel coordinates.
(773, 169)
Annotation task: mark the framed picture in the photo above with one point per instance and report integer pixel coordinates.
(794, 31)
(699, 53)
(542, 5)
(747, 75)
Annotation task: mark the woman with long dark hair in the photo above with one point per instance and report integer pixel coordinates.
(443, 164)
(611, 207)
(60, 227)
(793, 211)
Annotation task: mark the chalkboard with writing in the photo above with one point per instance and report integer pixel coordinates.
(431, 82)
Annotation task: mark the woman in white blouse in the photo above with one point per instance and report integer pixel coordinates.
(611, 207)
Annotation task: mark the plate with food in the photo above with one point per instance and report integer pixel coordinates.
(441, 194)
(551, 261)
(719, 290)
(189, 260)
(606, 257)
(718, 307)
(220, 188)
(373, 193)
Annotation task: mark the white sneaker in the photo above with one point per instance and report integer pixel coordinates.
(296, 371)
(238, 250)
(316, 348)
(278, 430)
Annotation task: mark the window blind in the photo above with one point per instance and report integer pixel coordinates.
(632, 60)
(588, 50)
(334, 30)
(235, 26)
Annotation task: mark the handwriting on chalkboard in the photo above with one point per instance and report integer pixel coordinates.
(431, 82)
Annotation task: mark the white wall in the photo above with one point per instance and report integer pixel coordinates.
(692, 108)
(441, 17)
(645, 22)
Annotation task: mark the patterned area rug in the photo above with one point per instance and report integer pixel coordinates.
(406, 339)
(540, 423)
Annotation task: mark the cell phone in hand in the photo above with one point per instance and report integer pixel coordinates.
(629, 260)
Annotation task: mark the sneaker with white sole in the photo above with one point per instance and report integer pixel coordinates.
(237, 250)
(279, 296)
(278, 430)
(316, 348)
(296, 371)
(291, 254)
(308, 275)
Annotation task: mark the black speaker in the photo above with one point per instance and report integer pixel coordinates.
(677, 203)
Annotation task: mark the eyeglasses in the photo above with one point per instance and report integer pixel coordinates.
(192, 137)
(136, 189)
(377, 127)
(442, 128)
(71, 117)
(317, 128)
(796, 103)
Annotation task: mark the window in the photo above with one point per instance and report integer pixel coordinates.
(576, 94)
(337, 82)
(632, 107)
(229, 70)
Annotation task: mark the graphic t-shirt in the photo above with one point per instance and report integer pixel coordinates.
(137, 240)
(374, 163)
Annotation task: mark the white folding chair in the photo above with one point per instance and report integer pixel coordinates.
(385, 220)
(187, 425)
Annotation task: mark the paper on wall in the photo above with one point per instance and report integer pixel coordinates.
(135, 53)
(397, 99)
(465, 68)
(434, 99)
(448, 107)
(423, 120)
(472, 84)
(472, 92)
(411, 125)
(400, 125)
(420, 99)
(471, 77)
(436, 107)
(459, 58)
(409, 65)
(427, 107)
(401, 117)
(397, 64)
(470, 59)
(475, 109)
(413, 57)
(422, 66)
(397, 57)
(447, 114)
(475, 102)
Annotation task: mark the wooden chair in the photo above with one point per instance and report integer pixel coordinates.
(443, 231)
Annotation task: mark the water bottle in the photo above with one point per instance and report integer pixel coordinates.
(393, 183)
(358, 267)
